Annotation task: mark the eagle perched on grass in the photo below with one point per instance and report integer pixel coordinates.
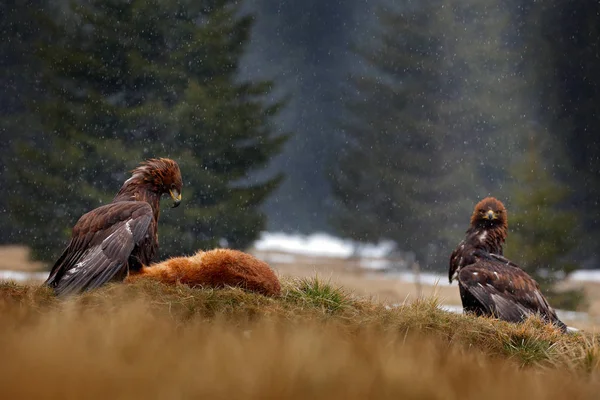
(490, 284)
(109, 241)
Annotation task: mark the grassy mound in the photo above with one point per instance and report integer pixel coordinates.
(315, 341)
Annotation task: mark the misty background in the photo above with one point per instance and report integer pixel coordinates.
(370, 120)
(306, 47)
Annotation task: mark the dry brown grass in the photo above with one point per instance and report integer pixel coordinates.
(378, 286)
(346, 273)
(315, 341)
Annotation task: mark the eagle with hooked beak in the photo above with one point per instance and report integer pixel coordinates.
(110, 241)
(489, 283)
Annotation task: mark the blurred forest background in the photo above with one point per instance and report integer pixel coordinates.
(369, 120)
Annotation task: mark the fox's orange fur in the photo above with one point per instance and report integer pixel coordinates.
(215, 268)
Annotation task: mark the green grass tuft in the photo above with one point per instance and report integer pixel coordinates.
(528, 350)
(314, 293)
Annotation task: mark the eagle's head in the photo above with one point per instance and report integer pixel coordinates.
(489, 213)
(162, 175)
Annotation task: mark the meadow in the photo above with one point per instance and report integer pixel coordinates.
(317, 340)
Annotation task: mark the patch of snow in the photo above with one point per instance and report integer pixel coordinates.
(321, 245)
(586, 275)
(21, 276)
(451, 308)
(377, 264)
(572, 315)
(425, 278)
(379, 250)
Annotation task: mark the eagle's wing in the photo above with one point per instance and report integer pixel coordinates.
(504, 290)
(100, 246)
(460, 257)
(481, 254)
(467, 254)
(455, 261)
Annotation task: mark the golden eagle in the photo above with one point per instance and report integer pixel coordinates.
(109, 241)
(490, 284)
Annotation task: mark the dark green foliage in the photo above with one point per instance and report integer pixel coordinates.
(485, 118)
(20, 31)
(128, 80)
(390, 171)
(565, 43)
(432, 126)
(542, 231)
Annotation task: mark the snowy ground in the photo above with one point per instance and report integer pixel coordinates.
(374, 256)
(585, 275)
(22, 276)
(280, 248)
(321, 245)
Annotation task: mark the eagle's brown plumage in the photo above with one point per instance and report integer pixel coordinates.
(215, 268)
(109, 241)
(487, 232)
(490, 284)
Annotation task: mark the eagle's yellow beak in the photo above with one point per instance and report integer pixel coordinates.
(176, 196)
(491, 215)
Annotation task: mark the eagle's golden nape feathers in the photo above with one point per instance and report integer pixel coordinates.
(160, 171)
(490, 284)
(159, 175)
(216, 269)
(110, 241)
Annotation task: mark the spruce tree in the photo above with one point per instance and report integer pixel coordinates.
(21, 32)
(564, 43)
(129, 80)
(391, 171)
(487, 117)
(434, 121)
(542, 227)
